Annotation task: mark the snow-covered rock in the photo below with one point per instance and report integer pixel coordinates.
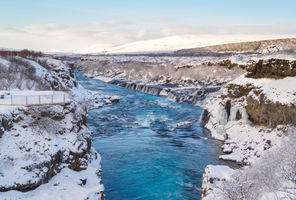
(45, 151)
(214, 176)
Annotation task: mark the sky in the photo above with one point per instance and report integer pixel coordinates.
(71, 25)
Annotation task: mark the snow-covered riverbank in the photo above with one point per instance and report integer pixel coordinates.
(254, 118)
(46, 151)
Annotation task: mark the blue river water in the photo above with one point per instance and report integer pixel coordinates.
(145, 155)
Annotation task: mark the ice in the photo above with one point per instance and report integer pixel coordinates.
(222, 116)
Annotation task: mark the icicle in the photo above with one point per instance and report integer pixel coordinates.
(245, 116)
(233, 112)
(222, 116)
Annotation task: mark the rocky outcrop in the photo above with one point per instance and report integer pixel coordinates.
(56, 135)
(271, 68)
(194, 94)
(48, 169)
(261, 111)
(270, 114)
(7, 120)
(213, 175)
(227, 64)
(150, 89)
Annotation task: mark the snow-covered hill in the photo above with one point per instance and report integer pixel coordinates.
(172, 43)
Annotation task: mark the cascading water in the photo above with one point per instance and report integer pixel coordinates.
(146, 152)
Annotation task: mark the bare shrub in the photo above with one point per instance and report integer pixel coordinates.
(20, 74)
(274, 173)
(23, 53)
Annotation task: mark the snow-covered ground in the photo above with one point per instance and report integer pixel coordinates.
(40, 147)
(172, 43)
(45, 151)
(278, 91)
(66, 185)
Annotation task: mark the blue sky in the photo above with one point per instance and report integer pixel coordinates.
(138, 20)
(223, 12)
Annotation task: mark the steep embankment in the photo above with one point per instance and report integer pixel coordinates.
(46, 151)
(254, 116)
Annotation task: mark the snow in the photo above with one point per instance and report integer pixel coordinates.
(274, 49)
(103, 79)
(36, 139)
(219, 171)
(29, 144)
(177, 42)
(275, 90)
(65, 185)
(7, 109)
(246, 143)
(213, 177)
(243, 142)
(289, 57)
(4, 62)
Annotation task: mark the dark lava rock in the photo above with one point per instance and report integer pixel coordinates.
(271, 68)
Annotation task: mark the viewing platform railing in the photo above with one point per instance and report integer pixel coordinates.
(30, 100)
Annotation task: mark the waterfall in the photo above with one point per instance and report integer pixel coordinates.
(222, 116)
(245, 116)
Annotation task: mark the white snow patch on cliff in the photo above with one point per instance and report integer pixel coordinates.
(65, 185)
(275, 90)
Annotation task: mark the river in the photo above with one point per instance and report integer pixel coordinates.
(147, 153)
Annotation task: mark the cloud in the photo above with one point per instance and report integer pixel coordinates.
(102, 23)
(109, 33)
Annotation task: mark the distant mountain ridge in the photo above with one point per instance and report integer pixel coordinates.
(254, 46)
(197, 43)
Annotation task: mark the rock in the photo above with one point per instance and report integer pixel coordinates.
(227, 64)
(107, 101)
(270, 114)
(258, 110)
(1, 132)
(271, 68)
(114, 99)
(212, 175)
(52, 166)
(183, 124)
(205, 117)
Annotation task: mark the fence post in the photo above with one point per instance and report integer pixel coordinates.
(64, 98)
(39, 102)
(26, 100)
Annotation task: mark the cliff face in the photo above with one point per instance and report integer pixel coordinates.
(260, 109)
(254, 116)
(271, 68)
(267, 92)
